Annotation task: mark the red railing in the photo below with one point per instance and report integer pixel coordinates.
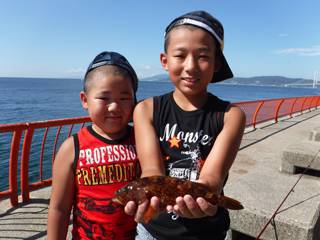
(272, 109)
(16, 140)
(256, 112)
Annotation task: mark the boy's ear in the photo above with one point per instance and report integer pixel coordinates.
(84, 100)
(164, 61)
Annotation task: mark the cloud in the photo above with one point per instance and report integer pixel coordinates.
(312, 51)
(75, 70)
(283, 35)
(145, 70)
(146, 67)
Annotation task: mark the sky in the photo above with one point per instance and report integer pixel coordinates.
(59, 38)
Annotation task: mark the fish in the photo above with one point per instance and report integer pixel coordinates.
(167, 189)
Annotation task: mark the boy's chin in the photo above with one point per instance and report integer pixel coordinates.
(191, 90)
(112, 131)
(116, 133)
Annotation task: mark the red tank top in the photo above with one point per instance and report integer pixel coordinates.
(101, 167)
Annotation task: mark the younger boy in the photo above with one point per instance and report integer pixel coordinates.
(91, 165)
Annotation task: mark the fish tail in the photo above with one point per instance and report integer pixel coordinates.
(230, 203)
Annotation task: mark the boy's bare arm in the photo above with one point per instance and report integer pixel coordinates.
(62, 192)
(147, 142)
(148, 150)
(216, 166)
(224, 151)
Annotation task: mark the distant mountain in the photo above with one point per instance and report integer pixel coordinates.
(278, 81)
(157, 78)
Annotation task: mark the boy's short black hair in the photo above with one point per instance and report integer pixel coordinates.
(115, 59)
(207, 22)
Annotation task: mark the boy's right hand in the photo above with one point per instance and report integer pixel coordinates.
(138, 211)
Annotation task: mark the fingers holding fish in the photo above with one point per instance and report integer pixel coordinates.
(206, 207)
(130, 208)
(188, 207)
(169, 208)
(147, 210)
(141, 209)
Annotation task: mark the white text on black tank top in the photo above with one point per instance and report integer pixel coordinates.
(187, 137)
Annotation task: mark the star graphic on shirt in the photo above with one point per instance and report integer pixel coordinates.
(174, 142)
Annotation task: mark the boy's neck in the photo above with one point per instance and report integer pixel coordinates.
(190, 102)
(112, 137)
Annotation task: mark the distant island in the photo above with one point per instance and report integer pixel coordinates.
(276, 81)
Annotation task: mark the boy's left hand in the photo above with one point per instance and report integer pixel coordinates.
(139, 211)
(188, 207)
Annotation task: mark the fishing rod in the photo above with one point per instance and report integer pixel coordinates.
(291, 190)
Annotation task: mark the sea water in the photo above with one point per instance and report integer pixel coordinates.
(40, 99)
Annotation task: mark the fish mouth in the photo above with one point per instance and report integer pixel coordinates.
(116, 200)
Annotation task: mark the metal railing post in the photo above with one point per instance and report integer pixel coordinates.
(255, 115)
(277, 110)
(24, 171)
(13, 167)
(292, 106)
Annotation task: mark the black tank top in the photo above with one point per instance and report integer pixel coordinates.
(186, 138)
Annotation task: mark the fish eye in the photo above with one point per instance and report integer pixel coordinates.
(130, 187)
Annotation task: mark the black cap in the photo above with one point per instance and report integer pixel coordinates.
(114, 58)
(207, 22)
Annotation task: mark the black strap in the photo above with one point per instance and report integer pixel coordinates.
(76, 152)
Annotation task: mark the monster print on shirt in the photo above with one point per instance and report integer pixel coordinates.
(187, 146)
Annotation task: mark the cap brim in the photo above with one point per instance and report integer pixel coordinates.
(224, 71)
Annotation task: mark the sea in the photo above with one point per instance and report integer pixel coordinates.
(40, 99)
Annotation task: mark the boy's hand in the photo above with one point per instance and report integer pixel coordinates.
(138, 211)
(130, 208)
(188, 207)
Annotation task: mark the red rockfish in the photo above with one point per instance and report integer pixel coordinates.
(167, 189)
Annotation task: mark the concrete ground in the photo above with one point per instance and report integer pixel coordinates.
(27, 221)
(255, 179)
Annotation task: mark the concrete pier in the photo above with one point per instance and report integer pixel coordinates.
(302, 154)
(256, 179)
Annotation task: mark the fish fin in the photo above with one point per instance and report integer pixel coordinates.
(148, 215)
(230, 203)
